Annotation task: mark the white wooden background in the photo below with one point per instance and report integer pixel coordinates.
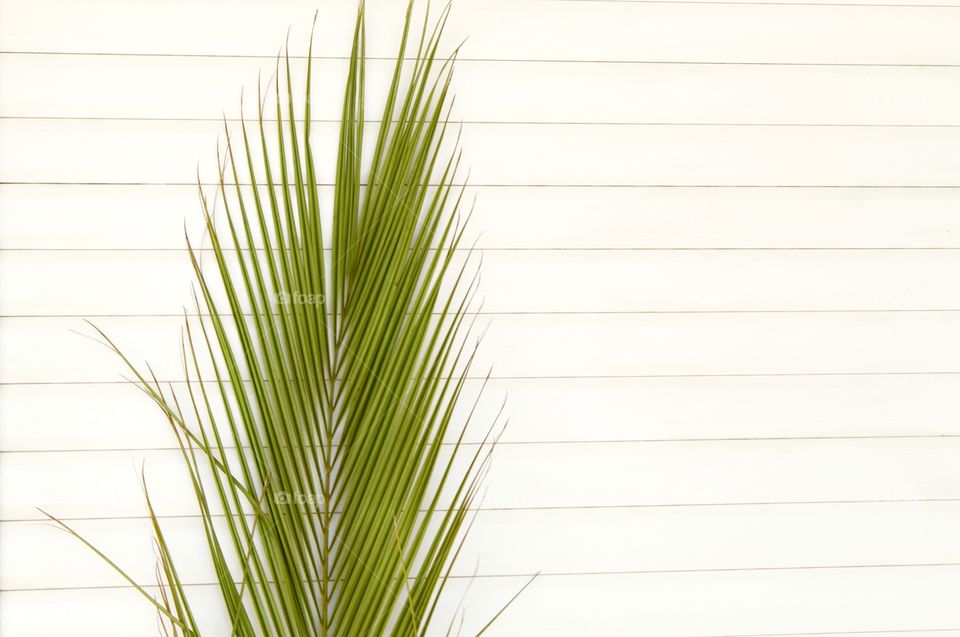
(721, 270)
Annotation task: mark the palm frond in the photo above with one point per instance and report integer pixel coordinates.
(332, 346)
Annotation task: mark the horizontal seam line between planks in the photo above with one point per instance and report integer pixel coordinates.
(535, 313)
(518, 185)
(587, 507)
(497, 60)
(518, 443)
(486, 122)
(553, 249)
(675, 571)
(570, 377)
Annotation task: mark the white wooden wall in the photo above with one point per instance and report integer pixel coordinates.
(721, 270)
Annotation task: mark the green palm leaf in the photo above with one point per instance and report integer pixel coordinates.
(332, 343)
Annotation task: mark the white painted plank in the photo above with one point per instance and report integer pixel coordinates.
(511, 542)
(735, 604)
(758, 604)
(133, 283)
(505, 29)
(557, 154)
(176, 87)
(50, 350)
(72, 484)
(153, 217)
(65, 417)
